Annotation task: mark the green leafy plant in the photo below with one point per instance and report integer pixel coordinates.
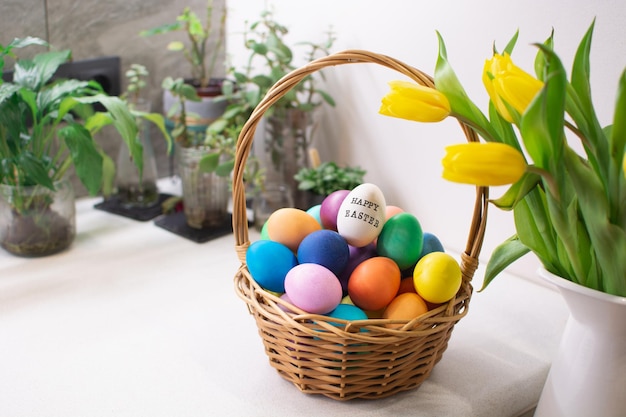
(328, 177)
(201, 59)
(47, 125)
(270, 58)
(222, 144)
(568, 206)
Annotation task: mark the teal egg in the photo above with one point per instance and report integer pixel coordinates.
(315, 212)
(269, 262)
(401, 239)
(347, 312)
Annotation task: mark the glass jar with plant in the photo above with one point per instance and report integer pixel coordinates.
(205, 159)
(47, 127)
(289, 123)
(132, 189)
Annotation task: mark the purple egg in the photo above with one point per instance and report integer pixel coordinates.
(330, 208)
(357, 255)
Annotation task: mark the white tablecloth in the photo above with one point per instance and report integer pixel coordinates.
(136, 321)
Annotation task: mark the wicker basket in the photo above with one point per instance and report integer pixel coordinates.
(347, 362)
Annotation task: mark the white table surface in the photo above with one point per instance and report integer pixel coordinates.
(136, 321)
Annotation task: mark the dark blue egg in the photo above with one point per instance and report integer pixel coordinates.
(431, 244)
(324, 247)
(269, 262)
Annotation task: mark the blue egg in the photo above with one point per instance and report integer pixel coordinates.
(326, 248)
(431, 244)
(315, 212)
(269, 262)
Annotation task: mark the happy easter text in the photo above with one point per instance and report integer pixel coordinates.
(356, 214)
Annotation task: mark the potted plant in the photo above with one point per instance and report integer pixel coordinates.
(289, 123)
(205, 43)
(205, 159)
(46, 127)
(567, 201)
(134, 189)
(320, 180)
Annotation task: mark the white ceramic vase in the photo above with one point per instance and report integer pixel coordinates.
(588, 373)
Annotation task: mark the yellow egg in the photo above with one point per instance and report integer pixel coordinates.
(290, 225)
(437, 277)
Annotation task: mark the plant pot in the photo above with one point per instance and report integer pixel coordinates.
(133, 190)
(588, 373)
(202, 113)
(205, 194)
(36, 221)
(286, 142)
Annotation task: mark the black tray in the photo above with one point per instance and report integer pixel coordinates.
(113, 205)
(177, 224)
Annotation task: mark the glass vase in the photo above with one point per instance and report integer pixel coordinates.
(286, 143)
(36, 221)
(205, 194)
(134, 190)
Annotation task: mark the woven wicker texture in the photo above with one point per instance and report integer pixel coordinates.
(358, 359)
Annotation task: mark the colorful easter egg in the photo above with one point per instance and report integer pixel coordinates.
(290, 225)
(362, 215)
(315, 212)
(374, 283)
(330, 207)
(357, 255)
(392, 210)
(269, 262)
(431, 244)
(437, 277)
(313, 288)
(406, 306)
(401, 239)
(326, 248)
(347, 312)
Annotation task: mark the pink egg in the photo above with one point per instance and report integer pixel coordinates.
(392, 210)
(330, 208)
(313, 288)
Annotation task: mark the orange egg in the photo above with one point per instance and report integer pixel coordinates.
(374, 283)
(290, 225)
(406, 306)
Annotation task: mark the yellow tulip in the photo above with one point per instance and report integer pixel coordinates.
(507, 83)
(411, 101)
(484, 164)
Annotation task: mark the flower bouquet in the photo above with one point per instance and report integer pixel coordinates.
(569, 206)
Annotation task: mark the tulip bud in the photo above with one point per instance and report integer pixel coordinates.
(412, 101)
(483, 164)
(507, 83)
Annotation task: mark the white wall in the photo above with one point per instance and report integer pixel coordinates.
(403, 157)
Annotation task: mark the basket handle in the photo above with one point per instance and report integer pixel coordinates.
(282, 86)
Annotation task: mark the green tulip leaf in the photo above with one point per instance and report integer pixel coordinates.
(503, 255)
(447, 82)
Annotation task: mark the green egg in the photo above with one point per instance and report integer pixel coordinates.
(401, 239)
